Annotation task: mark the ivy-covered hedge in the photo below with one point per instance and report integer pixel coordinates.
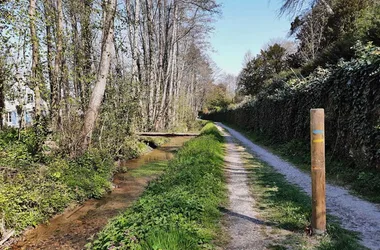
(350, 94)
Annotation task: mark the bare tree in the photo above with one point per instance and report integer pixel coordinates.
(248, 56)
(310, 32)
(293, 7)
(109, 9)
(36, 66)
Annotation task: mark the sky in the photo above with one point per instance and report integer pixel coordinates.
(245, 25)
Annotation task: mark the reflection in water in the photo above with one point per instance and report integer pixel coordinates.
(76, 226)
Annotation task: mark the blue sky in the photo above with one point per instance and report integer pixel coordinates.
(245, 25)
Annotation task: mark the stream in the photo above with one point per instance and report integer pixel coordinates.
(79, 224)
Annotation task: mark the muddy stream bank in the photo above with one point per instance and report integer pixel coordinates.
(73, 228)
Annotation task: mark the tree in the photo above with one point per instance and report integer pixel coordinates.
(216, 98)
(109, 9)
(327, 36)
(36, 71)
(294, 6)
(247, 58)
(256, 75)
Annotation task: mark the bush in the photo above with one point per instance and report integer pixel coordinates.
(88, 176)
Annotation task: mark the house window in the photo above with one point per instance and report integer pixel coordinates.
(28, 117)
(9, 117)
(30, 98)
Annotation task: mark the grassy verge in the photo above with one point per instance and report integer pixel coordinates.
(362, 182)
(290, 209)
(180, 209)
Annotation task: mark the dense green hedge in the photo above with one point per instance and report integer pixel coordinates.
(350, 94)
(180, 209)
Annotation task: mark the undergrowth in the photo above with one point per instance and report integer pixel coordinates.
(290, 209)
(180, 209)
(34, 186)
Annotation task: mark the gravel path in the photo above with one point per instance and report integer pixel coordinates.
(243, 225)
(355, 214)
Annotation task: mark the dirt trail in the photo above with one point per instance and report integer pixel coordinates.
(243, 225)
(355, 214)
(73, 228)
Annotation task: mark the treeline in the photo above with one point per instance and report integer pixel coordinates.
(103, 67)
(94, 72)
(334, 64)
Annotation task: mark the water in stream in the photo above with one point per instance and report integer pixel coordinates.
(76, 226)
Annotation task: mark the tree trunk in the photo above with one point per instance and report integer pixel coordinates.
(2, 96)
(102, 74)
(56, 85)
(36, 67)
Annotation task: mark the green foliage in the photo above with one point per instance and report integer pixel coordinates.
(132, 147)
(169, 239)
(325, 38)
(88, 175)
(30, 197)
(180, 209)
(31, 192)
(349, 94)
(17, 152)
(257, 73)
(216, 98)
(367, 25)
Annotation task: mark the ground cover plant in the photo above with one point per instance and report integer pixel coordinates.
(34, 186)
(180, 209)
(290, 209)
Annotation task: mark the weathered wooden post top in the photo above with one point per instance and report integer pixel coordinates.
(317, 141)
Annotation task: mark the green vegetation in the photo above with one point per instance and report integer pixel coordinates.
(154, 141)
(363, 182)
(290, 209)
(349, 94)
(180, 209)
(150, 169)
(217, 98)
(33, 186)
(36, 183)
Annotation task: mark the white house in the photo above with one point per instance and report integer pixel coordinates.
(23, 97)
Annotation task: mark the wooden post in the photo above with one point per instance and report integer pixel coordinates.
(317, 140)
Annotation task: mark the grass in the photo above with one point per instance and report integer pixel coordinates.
(361, 182)
(290, 209)
(150, 169)
(179, 210)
